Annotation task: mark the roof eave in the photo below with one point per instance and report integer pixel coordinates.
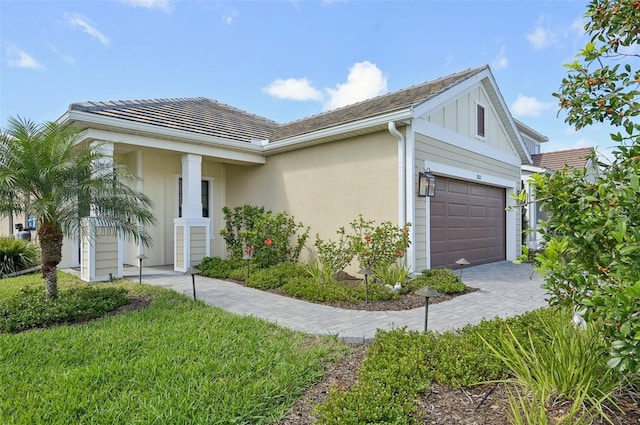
(337, 132)
(78, 117)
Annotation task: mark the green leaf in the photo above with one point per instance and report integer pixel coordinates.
(614, 362)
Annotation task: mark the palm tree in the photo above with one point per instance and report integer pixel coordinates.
(45, 173)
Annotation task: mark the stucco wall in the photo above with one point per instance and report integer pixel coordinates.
(161, 170)
(324, 186)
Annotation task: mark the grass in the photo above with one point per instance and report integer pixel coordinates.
(176, 361)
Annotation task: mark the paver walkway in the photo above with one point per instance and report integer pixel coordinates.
(506, 289)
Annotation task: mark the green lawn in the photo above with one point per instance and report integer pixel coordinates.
(177, 361)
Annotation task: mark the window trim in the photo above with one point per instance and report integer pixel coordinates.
(481, 106)
(178, 207)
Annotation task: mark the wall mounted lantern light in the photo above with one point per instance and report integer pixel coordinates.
(426, 184)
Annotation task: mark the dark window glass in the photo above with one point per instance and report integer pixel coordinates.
(204, 197)
(480, 125)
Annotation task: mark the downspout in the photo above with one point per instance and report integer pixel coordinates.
(402, 182)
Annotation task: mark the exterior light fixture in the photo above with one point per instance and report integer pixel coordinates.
(427, 292)
(140, 258)
(462, 262)
(193, 271)
(426, 184)
(366, 273)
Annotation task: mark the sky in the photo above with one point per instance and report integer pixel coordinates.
(287, 59)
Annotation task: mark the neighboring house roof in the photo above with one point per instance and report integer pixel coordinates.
(197, 115)
(386, 103)
(556, 161)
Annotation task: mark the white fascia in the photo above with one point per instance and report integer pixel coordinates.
(379, 120)
(453, 92)
(182, 147)
(188, 137)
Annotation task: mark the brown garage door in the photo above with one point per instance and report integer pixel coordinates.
(468, 220)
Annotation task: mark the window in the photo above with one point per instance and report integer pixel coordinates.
(480, 127)
(204, 197)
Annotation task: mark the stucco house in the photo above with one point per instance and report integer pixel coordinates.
(547, 163)
(196, 155)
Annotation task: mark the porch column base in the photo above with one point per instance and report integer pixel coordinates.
(191, 242)
(101, 252)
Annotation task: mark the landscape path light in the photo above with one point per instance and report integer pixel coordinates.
(462, 262)
(366, 273)
(193, 271)
(427, 292)
(140, 258)
(248, 256)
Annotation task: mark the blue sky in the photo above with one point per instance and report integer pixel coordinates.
(285, 59)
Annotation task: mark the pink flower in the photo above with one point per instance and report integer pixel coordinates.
(268, 242)
(367, 238)
(400, 253)
(248, 250)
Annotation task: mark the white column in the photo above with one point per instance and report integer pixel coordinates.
(191, 231)
(191, 184)
(101, 250)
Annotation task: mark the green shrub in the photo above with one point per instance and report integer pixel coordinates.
(275, 276)
(571, 365)
(309, 289)
(29, 309)
(444, 281)
(270, 238)
(392, 274)
(219, 268)
(17, 255)
(400, 364)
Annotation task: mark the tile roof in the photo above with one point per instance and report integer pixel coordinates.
(555, 161)
(196, 115)
(386, 103)
(211, 118)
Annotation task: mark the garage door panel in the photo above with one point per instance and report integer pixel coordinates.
(468, 220)
(477, 211)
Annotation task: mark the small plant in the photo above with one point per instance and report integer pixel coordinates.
(333, 256)
(309, 289)
(275, 276)
(219, 268)
(29, 309)
(392, 274)
(17, 255)
(378, 246)
(237, 221)
(444, 281)
(571, 366)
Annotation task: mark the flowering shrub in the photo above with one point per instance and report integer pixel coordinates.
(378, 245)
(333, 256)
(269, 238)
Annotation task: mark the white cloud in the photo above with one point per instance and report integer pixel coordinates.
(18, 58)
(163, 5)
(85, 25)
(539, 38)
(68, 59)
(228, 18)
(526, 106)
(501, 61)
(365, 80)
(293, 89)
